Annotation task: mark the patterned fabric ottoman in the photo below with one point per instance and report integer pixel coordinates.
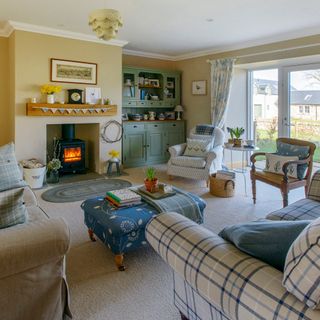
(122, 230)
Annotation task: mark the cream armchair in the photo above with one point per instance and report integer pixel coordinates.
(196, 167)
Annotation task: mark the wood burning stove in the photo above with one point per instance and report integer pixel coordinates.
(72, 151)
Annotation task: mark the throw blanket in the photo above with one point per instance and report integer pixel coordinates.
(182, 202)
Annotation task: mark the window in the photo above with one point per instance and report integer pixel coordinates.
(307, 109)
(301, 109)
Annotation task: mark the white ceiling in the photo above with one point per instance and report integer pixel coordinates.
(178, 27)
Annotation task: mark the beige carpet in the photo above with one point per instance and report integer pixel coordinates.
(144, 290)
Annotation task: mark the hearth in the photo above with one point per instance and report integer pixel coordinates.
(72, 151)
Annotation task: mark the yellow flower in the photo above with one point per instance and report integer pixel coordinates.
(114, 153)
(50, 89)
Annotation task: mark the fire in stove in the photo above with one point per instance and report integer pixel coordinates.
(72, 154)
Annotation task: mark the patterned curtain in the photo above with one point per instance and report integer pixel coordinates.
(221, 75)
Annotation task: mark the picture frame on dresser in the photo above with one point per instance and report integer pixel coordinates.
(71, 71)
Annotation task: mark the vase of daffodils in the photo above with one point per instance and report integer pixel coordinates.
(114, 155)
(50, 90)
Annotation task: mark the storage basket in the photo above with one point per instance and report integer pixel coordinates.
(221, 187)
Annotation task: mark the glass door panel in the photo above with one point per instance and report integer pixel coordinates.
(265, 108)
(304, 106)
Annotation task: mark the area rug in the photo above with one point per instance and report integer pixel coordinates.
(83, 190)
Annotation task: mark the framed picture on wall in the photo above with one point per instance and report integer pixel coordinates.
(73, 71)
(199, 87)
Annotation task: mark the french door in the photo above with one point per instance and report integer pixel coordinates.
(285, 102)
(301, 115)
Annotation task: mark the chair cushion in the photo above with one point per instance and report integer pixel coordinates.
(272, 177)
(304, 209)
(204, 129)
(197, 148)
(191, 162)
(302, 152)
(301, 275)
(10, 174)
(274, 163)
(12, 208)
(257, 239)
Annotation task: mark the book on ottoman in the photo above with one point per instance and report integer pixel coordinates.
(123, 197)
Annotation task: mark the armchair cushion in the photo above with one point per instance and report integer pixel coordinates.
(204, 129)
(302, 268)
(257, 239)
(274, 163)
(11, 176)
(12, 208)
(197, 147)
(192, 162)
(302, 152)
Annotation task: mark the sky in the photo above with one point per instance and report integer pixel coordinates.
(299, 79)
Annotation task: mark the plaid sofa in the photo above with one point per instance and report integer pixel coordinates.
(214, 280)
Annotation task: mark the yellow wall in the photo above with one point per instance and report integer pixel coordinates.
(5, 118)
(32, 69)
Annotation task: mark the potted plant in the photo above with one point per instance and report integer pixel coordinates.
(54, 164)
(50, 90)
(237, 133)
(230, 140)
(151, 182)
(53, 167)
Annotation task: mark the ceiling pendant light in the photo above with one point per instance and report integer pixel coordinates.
(105, 23)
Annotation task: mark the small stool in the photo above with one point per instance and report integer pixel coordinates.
(112, 161)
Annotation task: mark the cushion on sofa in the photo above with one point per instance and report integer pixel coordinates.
(197, 148)
(274, 163)
(302, 152)
(314, 189)
(258, 239)
(301, 275)
(304, 209)
(10, 173)
(192, 162)
(12, 208)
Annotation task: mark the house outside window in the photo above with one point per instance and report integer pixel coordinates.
(307, 109)
(300, 109)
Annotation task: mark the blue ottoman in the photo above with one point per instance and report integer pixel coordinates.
(122, 230)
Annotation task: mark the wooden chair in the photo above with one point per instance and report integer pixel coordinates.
(283, 182)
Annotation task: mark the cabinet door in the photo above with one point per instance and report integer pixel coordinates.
(130, 86)
(171, 89)
(134, 153)
(156, 146)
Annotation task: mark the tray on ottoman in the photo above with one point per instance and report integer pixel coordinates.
(122, 230)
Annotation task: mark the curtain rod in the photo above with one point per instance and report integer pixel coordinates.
(268, 52)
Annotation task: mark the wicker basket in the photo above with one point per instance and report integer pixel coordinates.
(221, 187)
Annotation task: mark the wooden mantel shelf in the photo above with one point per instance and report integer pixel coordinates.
(73, 110)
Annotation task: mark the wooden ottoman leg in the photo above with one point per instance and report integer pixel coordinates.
(91, 235)
(118, 258)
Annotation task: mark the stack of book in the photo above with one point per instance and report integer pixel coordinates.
(225, 175)
(123, 198)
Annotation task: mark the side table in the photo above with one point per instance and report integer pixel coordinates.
(243, 168)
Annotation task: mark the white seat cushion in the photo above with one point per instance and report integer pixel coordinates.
(191, 162)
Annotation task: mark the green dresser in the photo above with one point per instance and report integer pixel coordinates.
(147, 142)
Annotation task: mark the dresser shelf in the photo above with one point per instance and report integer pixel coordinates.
(70, 110)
